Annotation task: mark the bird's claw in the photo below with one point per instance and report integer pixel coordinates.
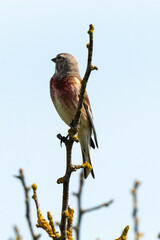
(62, 138)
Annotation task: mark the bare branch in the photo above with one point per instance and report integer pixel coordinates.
(18, 236)
(72, 137)
(135, 210)
(49, 227)
(70, 223)
(124, 234)
(28, 215)
(90, 68)
(34, 187)
(98, 207)
(81, 211)
(65, 197)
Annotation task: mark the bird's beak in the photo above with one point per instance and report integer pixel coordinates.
(53, 60)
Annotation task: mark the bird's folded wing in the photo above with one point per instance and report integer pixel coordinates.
(89, 114)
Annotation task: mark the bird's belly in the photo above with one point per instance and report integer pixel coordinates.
(65, 110)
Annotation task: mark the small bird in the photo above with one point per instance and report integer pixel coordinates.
(65, 86)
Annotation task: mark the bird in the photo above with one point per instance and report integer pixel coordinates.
(65, 86)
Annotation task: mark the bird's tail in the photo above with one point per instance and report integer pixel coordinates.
(86, 158)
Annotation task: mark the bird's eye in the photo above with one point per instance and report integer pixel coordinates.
(59, 58)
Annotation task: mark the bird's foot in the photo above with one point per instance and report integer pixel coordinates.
(73, 135)
(62, 139)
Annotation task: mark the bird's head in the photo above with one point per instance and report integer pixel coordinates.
(66, 65)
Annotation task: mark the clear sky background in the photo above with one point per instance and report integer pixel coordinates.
(125, 99)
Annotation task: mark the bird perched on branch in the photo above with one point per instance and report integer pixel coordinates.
(65, 86)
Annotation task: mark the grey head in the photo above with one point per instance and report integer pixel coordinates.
(66, 65)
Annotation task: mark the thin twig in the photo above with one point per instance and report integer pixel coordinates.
(28, 215)
(98, 207)
(47, 226)
(70, 223)
(18, 236)
(135, 210)
(35, 198)
(90, 68)
(72, 137)
(81, 211)
(124, 234)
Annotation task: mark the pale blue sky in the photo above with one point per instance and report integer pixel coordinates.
(125, 99)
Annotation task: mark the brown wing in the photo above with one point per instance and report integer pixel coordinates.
(87, 107)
